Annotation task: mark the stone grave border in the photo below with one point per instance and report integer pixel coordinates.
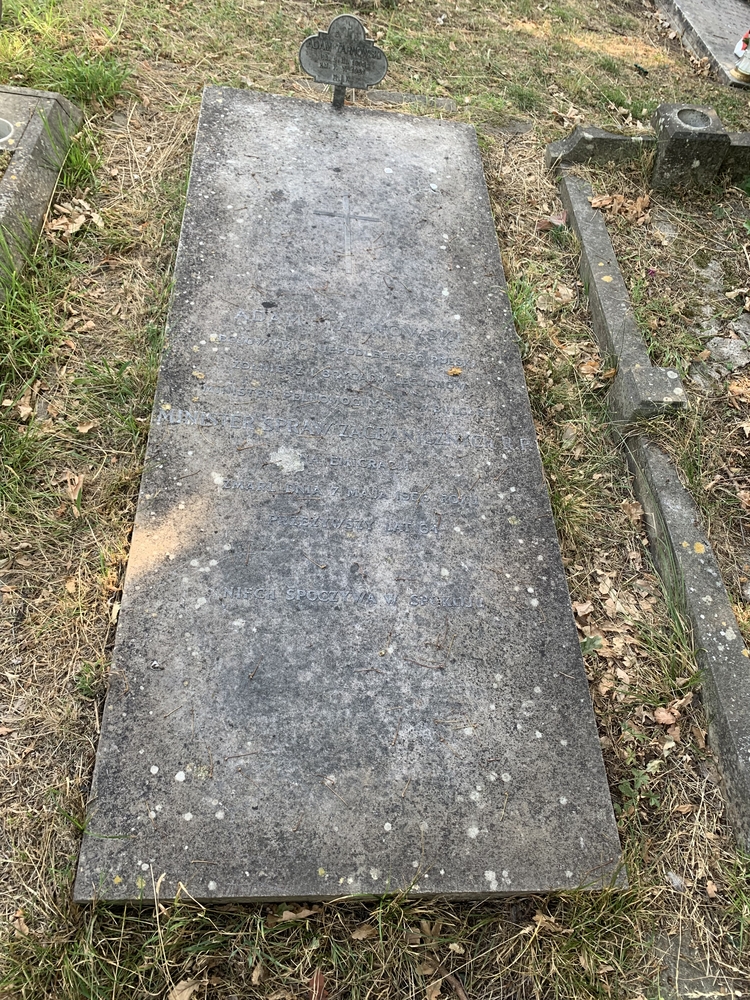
(681, 551)
(39, 147)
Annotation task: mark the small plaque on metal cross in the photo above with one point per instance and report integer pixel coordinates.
(343, 56)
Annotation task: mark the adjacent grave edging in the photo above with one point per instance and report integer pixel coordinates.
(687, 23)
(31, 177)
(640, 389)
(688, 568)
(681, 551)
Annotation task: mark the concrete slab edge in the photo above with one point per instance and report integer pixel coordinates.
(590, 144)
(688, 568)
(692, 41)
(31, 177)
(640, 390)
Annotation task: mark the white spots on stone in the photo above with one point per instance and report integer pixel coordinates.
(217, 478)
(474, 795)
(415, 864)
(491, 877)
(431, 170)
(194, 562)
(505, 777)
(457, 529)
(537, 690)
(563, 800)
(180, 776)
(677, 391)
(227, 548)
(423, 826)
(563, 743)
(446, 293)
(434, 187)
(219, 814)
(212, 887)
(200, 602)
(144, 867)
(457, 316)
(287, 459)
(374, 874)
(154, 769)
(387, 170)
(537, 735)
(671, 374)
(707, 599)
(445, 572)
(187, 817)
(212, 562)
(492, 706)
(695, 164)
(492, 776)
(729, 634)
(498, 677)
(534, 602)
(529, 590)
(568, 874)
(159, 808)
(387, 827)
(152, 815)
(180, 506)
(473, 832)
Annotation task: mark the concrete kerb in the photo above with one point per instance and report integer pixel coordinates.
(30, 179)
(681, 552)
(686, 563)
(640, 389)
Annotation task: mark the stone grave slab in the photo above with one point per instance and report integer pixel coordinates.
(710, 29)
(346, 662)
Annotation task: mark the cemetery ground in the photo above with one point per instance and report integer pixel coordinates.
(81, 336)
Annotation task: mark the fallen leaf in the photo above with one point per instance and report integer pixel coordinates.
(601, 201)
(632, 509)
(4, 731)
(85, 428)
(70, 585)
(457, 948)
(545, 302)
(74, 485)
(711, 890)
(259, 974)
(582, 610)
(184, 989)
(433, 990)
(22, 929)
(590, 367)
(684, 809)
(426, 968)
(317, 986)
(563, 294)
(455, 371)
(699, 735)
(664, 717)
(301, 914)
(363, 932)
(569, 435)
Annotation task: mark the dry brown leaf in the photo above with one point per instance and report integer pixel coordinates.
(85, 428)
(317, 986)
(684, 809)
(21, 927)
(363, 932)
(563, 294)
(5, 731)
(74, 485)
(70, 585)
(300, 914)
(711, 890)
(632, 509)
(601, 201)
(433, 990)
(582, 610)
(184, 989)
(260, 973)
(664, 717)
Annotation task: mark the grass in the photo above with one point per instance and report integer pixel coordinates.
(81, 335)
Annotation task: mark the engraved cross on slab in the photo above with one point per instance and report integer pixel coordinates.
(343, 56)
(347, 216)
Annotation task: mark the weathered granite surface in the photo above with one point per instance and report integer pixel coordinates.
(346, 661)
(710, 29)
(691, 146)
(41, 123)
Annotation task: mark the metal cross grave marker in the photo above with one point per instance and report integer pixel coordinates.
(343, 57)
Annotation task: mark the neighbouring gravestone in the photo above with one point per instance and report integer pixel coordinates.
(345, 662)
